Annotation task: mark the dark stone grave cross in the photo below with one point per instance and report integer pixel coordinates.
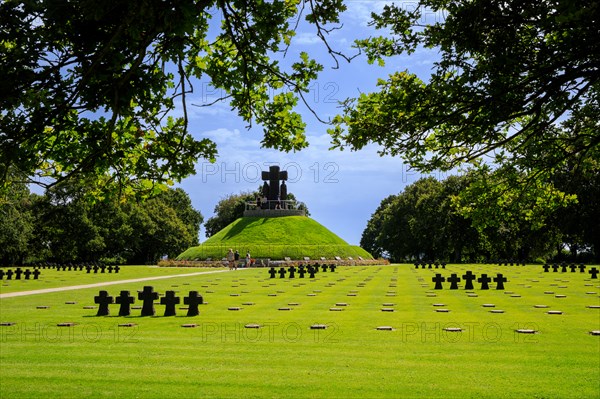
(438, 280)
(453, 280)
(95, 269)
(125, 300)
(484, 280)
(117, 268)
(9, 274)
(594, 272)
(102, 268)
(18, 273)
(500, 280)
(324, 268)
(573, 267)
(170, 300)
(469, 277)
(292, 270)
(36, 274)
(109, 268)
(193, 300)
(1, 274)
(301, 272)
(563, 268)
(332, 267)
(88, 269)
(581, 268)
(272, 272)
(27, 274)
(546, 267)
(103, 300)
(272, 190)
(555, 267)
(148, 296)
(281, 272)
(311, 272)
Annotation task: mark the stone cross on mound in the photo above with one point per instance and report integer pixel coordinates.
(148, 296)
(125, 300)
(484, 280)
(453, 280)
(469, 277)
(273, 190)
(170, 300)
(438, 280)
(103, 300)
(500, 280)
(193, 300)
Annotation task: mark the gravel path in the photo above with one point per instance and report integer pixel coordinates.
(104, 284)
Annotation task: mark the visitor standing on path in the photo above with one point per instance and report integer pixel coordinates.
(248, 259)
(237, 259)
(230, 258)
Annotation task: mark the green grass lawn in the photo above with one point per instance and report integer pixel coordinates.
(285, 358)
(276, 238)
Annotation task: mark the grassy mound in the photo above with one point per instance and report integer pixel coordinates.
(275, 238)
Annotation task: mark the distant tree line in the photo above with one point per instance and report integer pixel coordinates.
(65, 225)
(466, 219)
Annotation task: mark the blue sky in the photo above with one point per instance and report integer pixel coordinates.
(341, 188)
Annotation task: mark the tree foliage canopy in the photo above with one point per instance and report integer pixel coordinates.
(98, 89)
(517, 83)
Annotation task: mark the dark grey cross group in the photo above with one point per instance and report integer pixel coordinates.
(147, 296)
(469, 277)
(301, 270)
(18, 272)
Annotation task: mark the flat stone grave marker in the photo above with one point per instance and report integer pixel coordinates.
(311, 294)
(593, 306)
(350, 294)
(7, 324)
(336, 309)
(488, 305)
(540, 306)
(252, 325)
(103, 300)
(560, 296)
(453, 329)
(234, 308)
(42, 307)
(438, 304)
(248, 303)
(554, 312)
(442, 310)
(387, 309)
(189, 325)
(525, 331)
(285, 308)
(341, 304)
(66, 324)
(127, 325)
(90, 307)
(318, 327)
(496, 311)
